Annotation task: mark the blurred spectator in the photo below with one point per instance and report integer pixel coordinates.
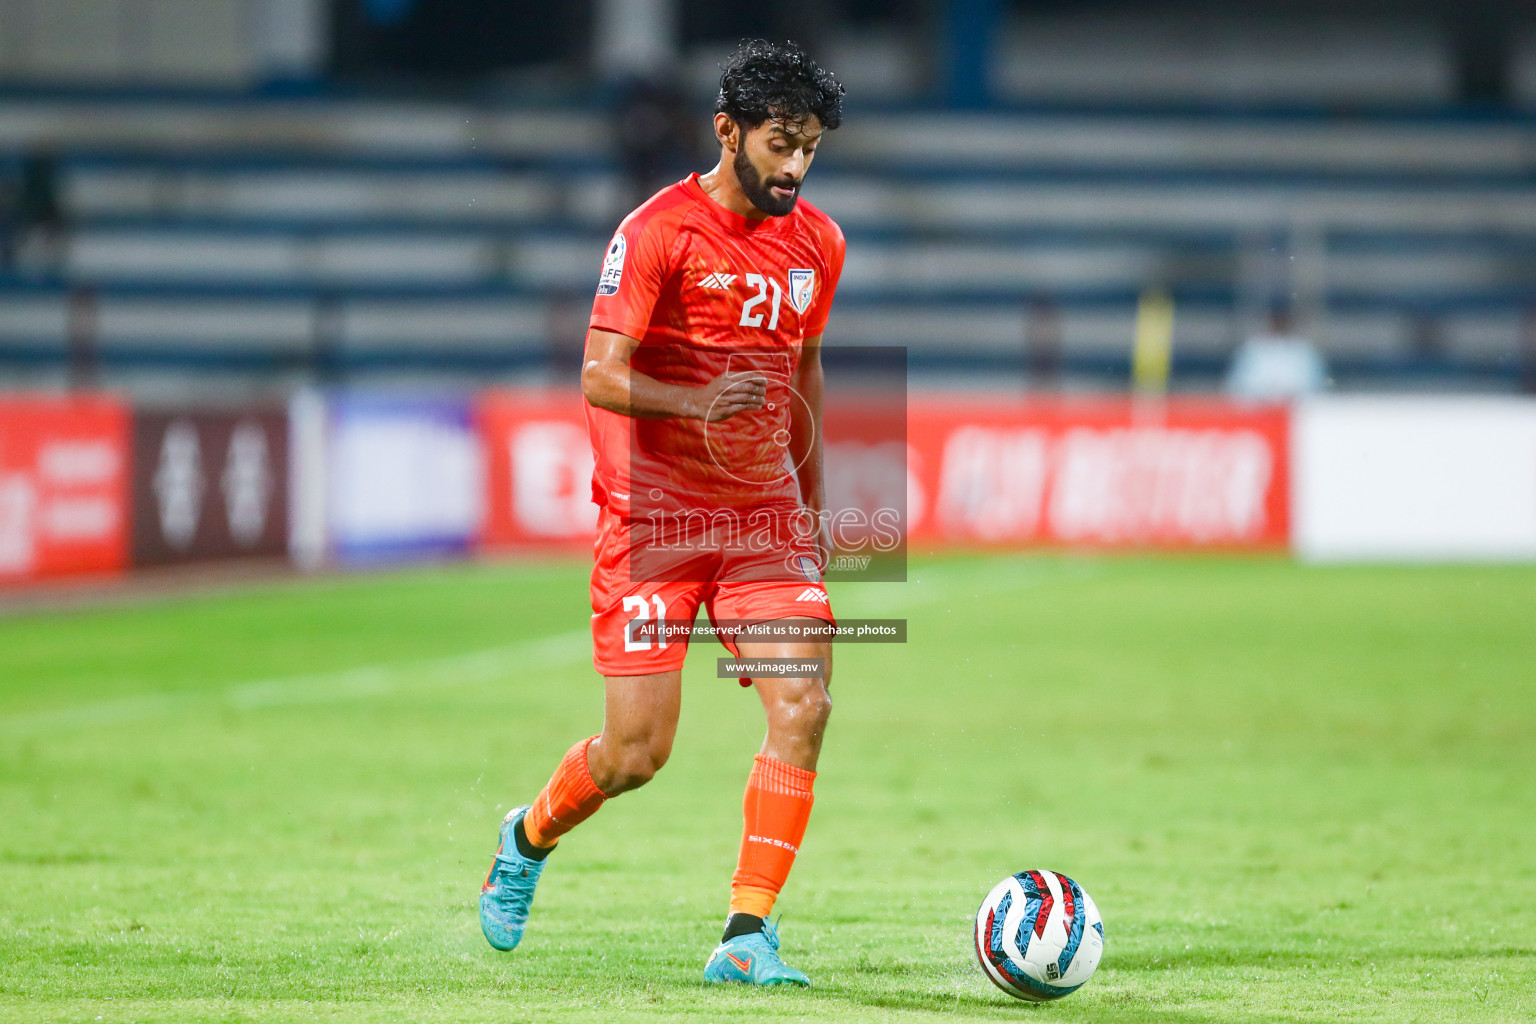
(657, 136)
(32, 220)
(83, 328)
(1480, 38)
(328, 333)
(1042, 343)
(1276, 363)
(8, 191)
(1427, 339)
(565, 328)
(1528, 353)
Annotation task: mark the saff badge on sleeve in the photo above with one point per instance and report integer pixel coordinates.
(613, 266)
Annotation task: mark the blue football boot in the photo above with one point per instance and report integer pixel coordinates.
(508, 890)
(752, 960)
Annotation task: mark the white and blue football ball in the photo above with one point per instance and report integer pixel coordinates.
(1039, 935)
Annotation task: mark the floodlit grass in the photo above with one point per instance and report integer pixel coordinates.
(1297, 794)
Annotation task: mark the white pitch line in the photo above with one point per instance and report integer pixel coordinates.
(360, 683)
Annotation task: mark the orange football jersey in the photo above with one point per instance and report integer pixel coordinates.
(706, 291)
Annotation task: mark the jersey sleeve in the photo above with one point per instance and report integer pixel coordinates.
(635, 267)
(835, 247)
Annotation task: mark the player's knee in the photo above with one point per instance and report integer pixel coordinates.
(820, 705)
(635, 764)
(815, 701)
(805, 709)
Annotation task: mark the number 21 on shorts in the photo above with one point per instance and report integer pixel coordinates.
(640, 611)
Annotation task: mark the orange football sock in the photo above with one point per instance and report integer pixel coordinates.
(777, 807)
(570, 798)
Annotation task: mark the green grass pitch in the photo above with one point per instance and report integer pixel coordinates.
(1296, 793)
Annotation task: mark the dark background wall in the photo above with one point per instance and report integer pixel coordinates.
(469, 40)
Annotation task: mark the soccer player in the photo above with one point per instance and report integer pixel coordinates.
(703, 380)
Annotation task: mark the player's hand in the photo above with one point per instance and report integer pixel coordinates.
(731, 393)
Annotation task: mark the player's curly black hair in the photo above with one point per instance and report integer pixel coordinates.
(763, 80)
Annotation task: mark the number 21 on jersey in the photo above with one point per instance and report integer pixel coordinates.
(802, 289)
(762, 284)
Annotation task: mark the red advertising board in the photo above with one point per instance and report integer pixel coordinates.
(980, 471)
(1100, 473)
(538, 470)
(63, 487)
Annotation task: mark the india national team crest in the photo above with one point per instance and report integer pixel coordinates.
(802, 288)
(613, 267)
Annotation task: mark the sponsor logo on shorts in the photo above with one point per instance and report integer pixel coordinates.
(815, 594)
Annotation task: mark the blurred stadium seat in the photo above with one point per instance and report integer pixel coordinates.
(229, 230)
(260, 240)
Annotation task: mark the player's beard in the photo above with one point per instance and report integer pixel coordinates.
(760, 192)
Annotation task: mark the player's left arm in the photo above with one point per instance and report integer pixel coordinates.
(805, 446)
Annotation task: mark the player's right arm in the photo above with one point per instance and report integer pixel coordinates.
(609, 382)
